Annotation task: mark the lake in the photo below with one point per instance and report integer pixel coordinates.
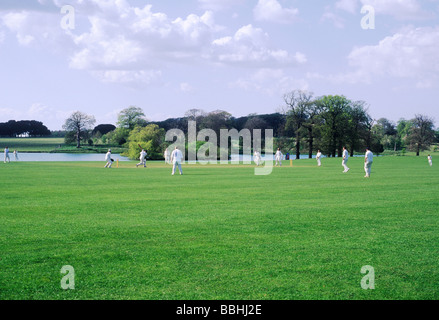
(64, 157)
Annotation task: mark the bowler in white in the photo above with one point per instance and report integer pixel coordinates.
(279, 157)
(368, 160)
(176, 159)
(345, 160)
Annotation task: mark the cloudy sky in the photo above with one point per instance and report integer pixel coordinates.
(168, 56)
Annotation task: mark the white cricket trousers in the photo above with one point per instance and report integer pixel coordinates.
(344, 164)
(368, 168)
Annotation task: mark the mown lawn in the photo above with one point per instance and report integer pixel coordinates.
(220, 232)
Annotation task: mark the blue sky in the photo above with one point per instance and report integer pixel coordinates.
(241, 56)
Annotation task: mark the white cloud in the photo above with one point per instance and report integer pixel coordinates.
(271, 10)
(217, 5)
(249, 46)
(185, 87)
(350, 6)
(271, 82)
(125, 44)
(400, 9)
(337, 21)
(409, 54)
(37, 111)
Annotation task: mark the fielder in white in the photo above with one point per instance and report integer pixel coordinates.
(368, 160)
(142, 159)
(108, 159)
(16, 155)
(279, 157)
(318, 158)
(176, 159)
(7, 155)
(430, 160)
(345, 160)
(167, 156)
(257, 158)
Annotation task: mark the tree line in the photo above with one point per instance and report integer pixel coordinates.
(307, 123)
(23, 128)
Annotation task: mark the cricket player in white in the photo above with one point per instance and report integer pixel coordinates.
(16, 155)
(7, 155)
(142, 159)
(368, 160)
(318, 156)
(108, 159)
(257, 158)
(279, 157)
(167, 155)
(430, 160)
(176, 159)
(345, 160)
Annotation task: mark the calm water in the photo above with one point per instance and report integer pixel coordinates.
(63, 157)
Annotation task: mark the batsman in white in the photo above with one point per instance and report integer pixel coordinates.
(176, 159)
(143, 155)
(108, 159)
(345, 160)
(279, 157)
(318, 158)
(7, 155)
(368, 160)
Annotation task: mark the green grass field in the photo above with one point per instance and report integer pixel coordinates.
(220, 232)
(31, 144)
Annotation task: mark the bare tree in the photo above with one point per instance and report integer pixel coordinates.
(78, 123)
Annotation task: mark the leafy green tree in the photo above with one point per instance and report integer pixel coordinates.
(131, 117)
(422, 134)
(335, 115)
(150, 138)
(356, 133)
(402, 131)
(118, 136)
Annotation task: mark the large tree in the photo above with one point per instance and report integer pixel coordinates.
(131, 117)
(422, 134)
(357, 126)
(297, 102)
(78, 123)
(335, 115)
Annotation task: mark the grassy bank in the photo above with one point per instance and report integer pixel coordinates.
(53, 145)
